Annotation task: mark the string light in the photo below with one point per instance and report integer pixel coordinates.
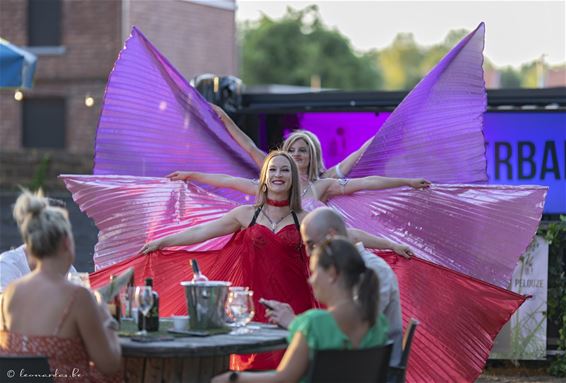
(89, 100)
(18, 95)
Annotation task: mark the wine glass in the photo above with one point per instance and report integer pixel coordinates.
(144, 299)
(240, 309)
(81, 279)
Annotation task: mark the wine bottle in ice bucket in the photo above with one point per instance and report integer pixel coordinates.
(198, 276)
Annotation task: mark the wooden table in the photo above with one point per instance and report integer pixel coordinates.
(194, 359)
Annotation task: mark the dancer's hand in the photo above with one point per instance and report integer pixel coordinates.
(419, 183)
(404, 251)
(281, 313)
(218, 110)
(150, 247)
(179, 176)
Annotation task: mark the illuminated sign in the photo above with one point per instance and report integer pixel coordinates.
(523, 148)
(526, 148)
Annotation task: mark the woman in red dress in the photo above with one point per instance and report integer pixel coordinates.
(267, 243)
(265, 253)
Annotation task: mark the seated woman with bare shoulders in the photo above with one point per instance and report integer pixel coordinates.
(349, 322)
(45, 315)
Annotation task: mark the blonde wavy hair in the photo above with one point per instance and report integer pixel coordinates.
(316, 164)
(294, 193)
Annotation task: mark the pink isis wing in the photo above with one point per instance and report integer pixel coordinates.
(130, 211)
(153, 122)
(478, 230)
(436, 131)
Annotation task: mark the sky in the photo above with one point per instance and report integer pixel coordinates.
(517, 32)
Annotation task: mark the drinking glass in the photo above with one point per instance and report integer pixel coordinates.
(144, 299)
(240, 308)
(80, 279)
(127, 302)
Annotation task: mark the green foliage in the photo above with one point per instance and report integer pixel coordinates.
(510, 78)
(529, 75)
(40, 174)
(399, 63)
(298, 48)
(555, 234)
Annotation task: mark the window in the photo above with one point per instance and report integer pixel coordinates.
(43, 123)
(44, 23)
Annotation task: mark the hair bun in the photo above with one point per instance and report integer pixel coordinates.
(28, 204)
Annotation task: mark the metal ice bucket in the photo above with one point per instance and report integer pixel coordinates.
(205, 303)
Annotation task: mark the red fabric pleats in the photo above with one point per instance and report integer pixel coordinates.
(274, 266)
(459, 315)
(459, 318)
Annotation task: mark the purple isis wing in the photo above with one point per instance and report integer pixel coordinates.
(480, 231)
(153, 122)
(436, 131)
(129, 211)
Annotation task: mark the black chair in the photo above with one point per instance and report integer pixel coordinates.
(368, 365)
(29, 369)
(397, 373)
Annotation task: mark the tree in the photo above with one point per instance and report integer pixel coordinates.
(298, 47)
(400, 63)
(509, 78)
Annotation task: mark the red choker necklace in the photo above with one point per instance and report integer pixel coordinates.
(278, 203)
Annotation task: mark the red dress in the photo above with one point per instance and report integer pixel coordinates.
(273, 265)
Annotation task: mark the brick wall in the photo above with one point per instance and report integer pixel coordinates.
(196, 38)
(91, 37)
(13, 21)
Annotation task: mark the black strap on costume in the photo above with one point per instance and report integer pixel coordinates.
(258, 210)
(296, 220)
(256, 214)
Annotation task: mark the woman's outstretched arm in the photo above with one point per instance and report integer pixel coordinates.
(349, 186)
(373, 242)
(241, 138)
(228, 224)
(220, 180)
(344, 167)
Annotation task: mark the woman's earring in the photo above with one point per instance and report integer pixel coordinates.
(264, 188)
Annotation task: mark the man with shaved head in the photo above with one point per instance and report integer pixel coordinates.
(325, 222)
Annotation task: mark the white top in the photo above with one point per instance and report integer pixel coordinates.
(389, 299)
(14, 265)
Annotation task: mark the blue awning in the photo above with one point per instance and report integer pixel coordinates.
(17, 66)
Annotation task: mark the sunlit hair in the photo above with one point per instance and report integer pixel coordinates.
(316, 166)
(317, 149)
(362, 282)
(294, 193)
(41, 225)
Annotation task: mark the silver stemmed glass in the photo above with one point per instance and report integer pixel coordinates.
(80, 279)
(240, 309)
(144, 299)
